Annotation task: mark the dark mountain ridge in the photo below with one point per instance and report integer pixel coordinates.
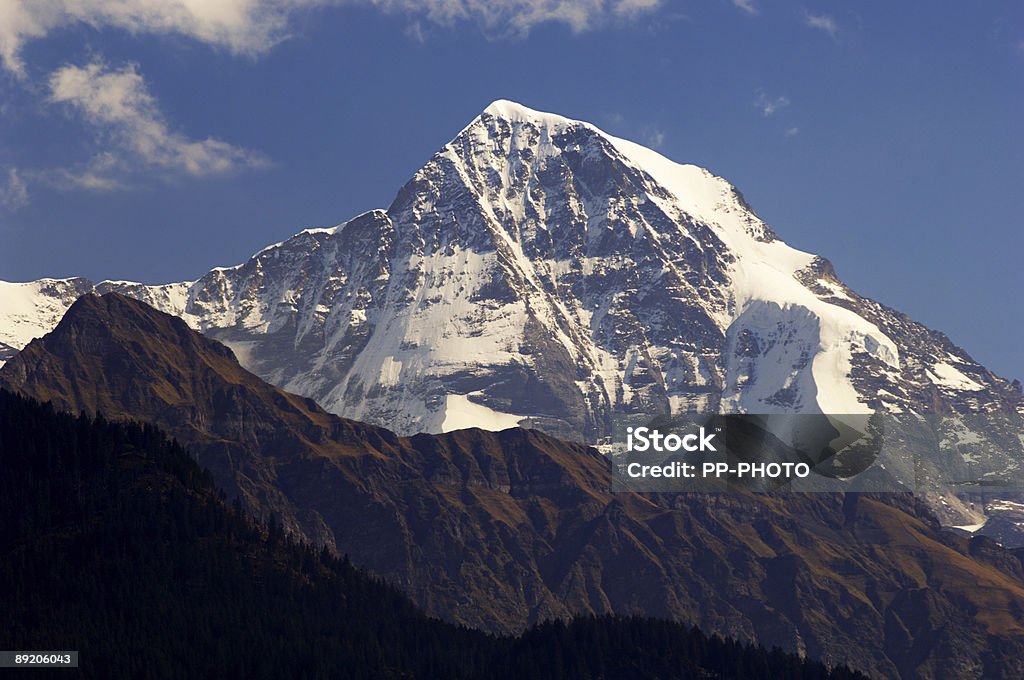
(541, 272)
(115, 543)
(500, 530)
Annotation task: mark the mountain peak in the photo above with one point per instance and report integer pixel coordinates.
(113, 304)
(424, 511)
(516, 112)
(539, 270)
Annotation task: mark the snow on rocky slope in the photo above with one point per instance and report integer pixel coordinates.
(539, 271)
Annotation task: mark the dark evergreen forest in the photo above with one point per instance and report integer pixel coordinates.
(114, 542)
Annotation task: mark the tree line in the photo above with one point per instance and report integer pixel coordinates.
(115, 543)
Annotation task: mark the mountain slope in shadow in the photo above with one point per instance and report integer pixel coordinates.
(500, 530)
(115, 543)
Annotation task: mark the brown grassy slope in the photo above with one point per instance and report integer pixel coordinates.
(498, 530)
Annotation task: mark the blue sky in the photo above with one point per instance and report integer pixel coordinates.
(149, 141)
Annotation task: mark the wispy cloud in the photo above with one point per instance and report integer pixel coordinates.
(414, 31)
(119, 105)
(103, 172)
(251, 27)
(768, 106)
(792, 131)
(13, 190)
(822, 22)
(613, 118)
(516, 18)
(655, 138)
(631, 7)
(241, 26)
(747, 6)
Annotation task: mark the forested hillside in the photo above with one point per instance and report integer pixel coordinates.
(115, 543)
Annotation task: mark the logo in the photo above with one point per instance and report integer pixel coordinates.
(647, 439)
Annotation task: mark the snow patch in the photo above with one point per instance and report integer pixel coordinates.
(947, 375)
(461, 413)
(971, 527)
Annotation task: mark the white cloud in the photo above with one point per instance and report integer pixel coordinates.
(241, 26)
(102, 173)
(792, 132)
(414, 31)
(822, 22)
(769, 105)
(747, 6)
(13, 190)
(118, 103)
(252, 27)
(630, 7)
(519, 17)
(655, 138)
(613, 118)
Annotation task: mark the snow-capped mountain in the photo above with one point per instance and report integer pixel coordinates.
(537, 270)
(503, 530)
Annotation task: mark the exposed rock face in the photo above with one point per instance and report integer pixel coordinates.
(6, 352)
(537, 269)
(541, 272)
(500, 529)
